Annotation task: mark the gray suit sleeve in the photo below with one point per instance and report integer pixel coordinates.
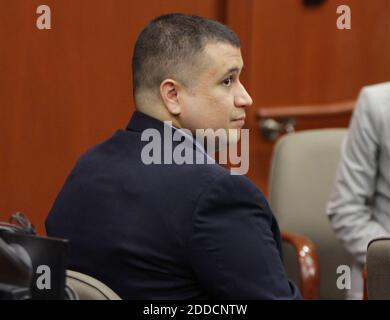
(350, 204)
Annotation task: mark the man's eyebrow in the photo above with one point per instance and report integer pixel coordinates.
(233, 70)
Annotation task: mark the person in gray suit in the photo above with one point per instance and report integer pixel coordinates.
(359, 205)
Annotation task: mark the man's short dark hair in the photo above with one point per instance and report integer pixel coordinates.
(171, 42)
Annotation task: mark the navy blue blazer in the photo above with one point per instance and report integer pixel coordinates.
(171, 231)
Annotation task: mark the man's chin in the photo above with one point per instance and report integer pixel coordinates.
(218, 140)
(232, 137)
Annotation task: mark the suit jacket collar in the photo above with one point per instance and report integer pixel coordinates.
(140, 121)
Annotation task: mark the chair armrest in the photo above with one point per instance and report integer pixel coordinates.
(309, 269)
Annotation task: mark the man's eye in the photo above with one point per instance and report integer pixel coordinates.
(227, 82)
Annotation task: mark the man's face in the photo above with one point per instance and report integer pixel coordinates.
(216, 99)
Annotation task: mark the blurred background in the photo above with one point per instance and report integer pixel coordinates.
(64, 89)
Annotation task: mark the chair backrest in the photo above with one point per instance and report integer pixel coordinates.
(89, 288)
(378, 269)
(303, 170)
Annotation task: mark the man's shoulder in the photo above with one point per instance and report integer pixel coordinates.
(235, 180)
(120, 157)
(376, 96)
(233, 188)
(378, 88)
(119, 144)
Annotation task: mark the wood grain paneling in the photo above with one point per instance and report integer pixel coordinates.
(65, 89)
(296, 55)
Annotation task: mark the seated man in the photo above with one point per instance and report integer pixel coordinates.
(359, 206)
(160, 229)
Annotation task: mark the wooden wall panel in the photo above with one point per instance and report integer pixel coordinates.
(296, 55)
(65, 89)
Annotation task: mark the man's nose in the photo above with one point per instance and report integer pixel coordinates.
(243, 99)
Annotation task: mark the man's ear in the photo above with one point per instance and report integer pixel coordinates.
(169, 90)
